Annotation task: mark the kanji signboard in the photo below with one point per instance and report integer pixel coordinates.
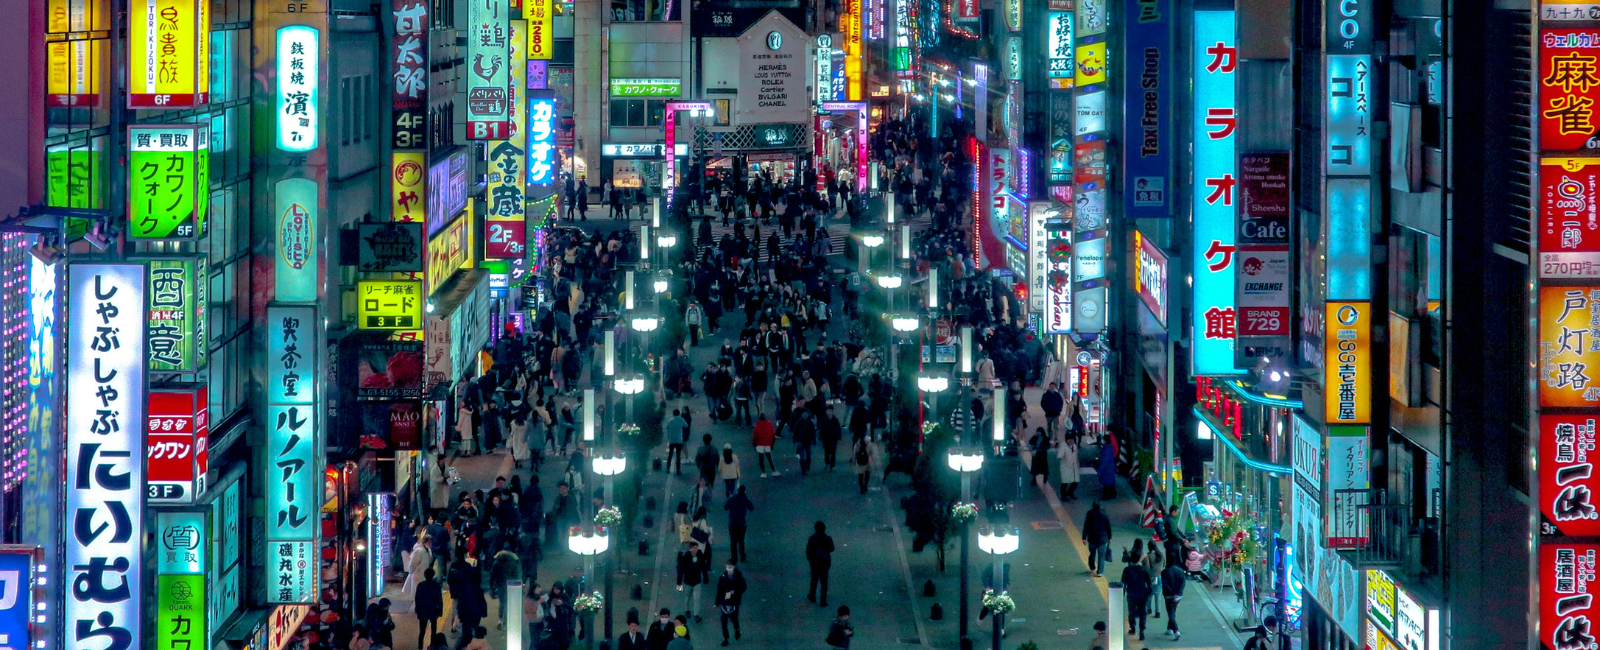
(542, 140)
(1569, 86)
(541, 26)
(105, 455)
(1569, 220)
(169, 184)
(1059, 50)
(298, 77)
(182, 540)
(1567, 476)
(389, 304)
(1216, 61)
(176, 324)
(1568, 353)
(508, 158)
(168, 53)
(409, 102)
(1567, 607)
(294, 442)
(1347, 379)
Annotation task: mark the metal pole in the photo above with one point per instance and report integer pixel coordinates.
(610, 578)
(515, 627)
(588, 582)
(999, 580)
(966, 541)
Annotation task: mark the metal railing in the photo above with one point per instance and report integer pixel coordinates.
(1378, 532)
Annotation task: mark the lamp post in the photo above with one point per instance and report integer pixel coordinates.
(609, 465)
(902, 324)
(965, 463)
(999, 541)
(589, 541)
(890, 282)
(933, 385)
(871, 243)
(629, 386)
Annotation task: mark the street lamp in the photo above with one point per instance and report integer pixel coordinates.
(872, 241)
(647, 323)
(609, 465)
(966, 463)
(629, 386)
(1000, 541)
(890, 282)
(588, 542)
(660, 285)
(933, 385)
(905, 324)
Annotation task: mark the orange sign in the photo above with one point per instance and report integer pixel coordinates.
(1569, 354)
(408, 185)
(1569, 89)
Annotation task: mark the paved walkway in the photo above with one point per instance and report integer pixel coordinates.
(874, 571)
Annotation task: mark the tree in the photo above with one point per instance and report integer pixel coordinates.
(934, 489)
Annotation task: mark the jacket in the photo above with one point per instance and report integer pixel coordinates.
(632, 641)
(429, 603)
(730, 589)
(692, 569)
(1067, 456)
(1096, 527)
(738, 507)
(659, 635)
(819, 550)
(729, 469)
(1050, 402)
(839, 634)
(764, 434)
(1172, 581)
(1137, 582)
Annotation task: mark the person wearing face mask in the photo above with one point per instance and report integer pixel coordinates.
(730, 593)
(660, 632)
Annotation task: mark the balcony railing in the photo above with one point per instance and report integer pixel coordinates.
(1379, 533)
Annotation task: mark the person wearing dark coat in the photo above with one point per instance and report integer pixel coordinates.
(1137, 586)
(1051, 403)
(660, 632)
(730, 594)
(428, 605)
(632, 639)
(1097, 534)
(1172, 583)
(739, 507)
(819, 554)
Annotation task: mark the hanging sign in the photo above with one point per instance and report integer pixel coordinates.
(541, 25)
(175, 444)
(1567, 478)
(1567, 360)
(181, 542)
(1569, 88)
(389, 248)
(296, 270)
(169, 180)
(1216, 61)
(1347, 380)
(298, 111)
(105, 454)
(542, 140)
(389, 304)
(507, 198)
(176, 323)
(168, 53)
(1568, 610)
(293, 470)
(409, 101)
(1569, 220)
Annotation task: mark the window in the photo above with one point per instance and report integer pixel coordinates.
(623, 11)
(345, 112)
(637, 112)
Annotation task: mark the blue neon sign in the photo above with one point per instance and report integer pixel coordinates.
(1216, 61)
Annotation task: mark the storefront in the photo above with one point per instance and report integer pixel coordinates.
(637, 165)
(1239, 513)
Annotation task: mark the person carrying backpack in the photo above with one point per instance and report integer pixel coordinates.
(861, 461)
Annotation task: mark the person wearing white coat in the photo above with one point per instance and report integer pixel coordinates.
(418, 561)
(1067, 456)
(520, 450)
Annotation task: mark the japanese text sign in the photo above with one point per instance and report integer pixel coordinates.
(168, 57)
(1145, 114)
(177, 436)
(168, 180)
(507, 198)
(488, 63)
(1349, 115)
(1059, 49)
(1039, 215)
(1349, 468)
(298, 78)
(176, 324)
(408, 186)
(72, 69)
(541, 21)
(1150, 277)
(19, 584)
(542, 140)
(105, 461)
(294, 442)
(447, 251)
(180, 612)
(389, 304)
(1569, 86)
(447, 190)
(1090, 67)
(291, 355)
(1347, 382)
(181, 543)
(1567, 607)
(1567, 476)
(1569, 220)
(409, 101)
(646, 87)
(1057, 280)
(1569, 350)
(1216, 61)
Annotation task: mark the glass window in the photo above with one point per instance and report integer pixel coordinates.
(657, 109)
(635, 113)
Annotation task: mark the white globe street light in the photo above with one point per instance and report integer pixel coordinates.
(872, 241)
(933, 384)
(999, 540)
(645, 324)
(660, 285)
(904, 323)
(965, 461)
(588, 542)
(609, 464)
(632, 386)
(889, 281)
(666, 241)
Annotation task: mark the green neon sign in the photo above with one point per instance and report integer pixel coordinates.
(646, 87)
(168, 180)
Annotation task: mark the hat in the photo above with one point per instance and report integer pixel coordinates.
(681, 630)
(727, 445)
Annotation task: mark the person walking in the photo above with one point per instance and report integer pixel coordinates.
(706, 459)
(504, 568)
(840, 631)
(660, 632)
(680, 639)
(1067, 458)
(739, 508)
(805, 435)
(692, 573)
(428, 604)
(520, 450)
(728, 468)
(861, 461)
(1039, 459)
(1097, 534)
(420, 558)
(1136, 583)
(1051, 403)
(763, 435)
(677, 430)
(730, 593)
(819, 554)
(1173, 580)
